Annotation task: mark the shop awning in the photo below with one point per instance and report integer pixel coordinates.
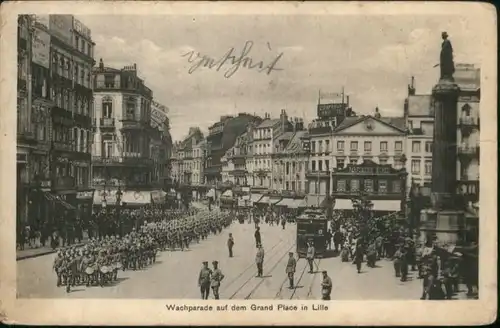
(227, 194)
(387, 205)
(263, 200)
(255, 197)
(286, 202)
(274, 201)
(298, 203)
(54, 199)
(136, 197)
(343, 204)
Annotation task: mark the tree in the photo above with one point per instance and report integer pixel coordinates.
(363, 212)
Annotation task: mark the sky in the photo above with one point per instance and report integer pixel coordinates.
(372, 57)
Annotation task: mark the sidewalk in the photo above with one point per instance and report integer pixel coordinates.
(28, 252)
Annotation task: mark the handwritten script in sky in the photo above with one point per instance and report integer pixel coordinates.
(234, 59)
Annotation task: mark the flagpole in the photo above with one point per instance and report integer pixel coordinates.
(342, 95)
(319, 96)
(318, 187)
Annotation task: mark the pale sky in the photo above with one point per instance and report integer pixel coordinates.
(373, 57)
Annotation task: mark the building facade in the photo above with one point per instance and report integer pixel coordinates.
(468, 78)
(419, 120)
(161, 146)
(55, 58)
(234, 162)
(185, 157)
(265, 138)
(123, 135)
(199, 153)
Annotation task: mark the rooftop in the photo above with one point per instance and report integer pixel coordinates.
(268, 123)
(295, 144)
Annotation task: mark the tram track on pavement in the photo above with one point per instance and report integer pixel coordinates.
(251, 277)
(309, 292)
(270, 271)
(278, 293)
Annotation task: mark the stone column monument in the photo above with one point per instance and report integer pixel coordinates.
(445, 220)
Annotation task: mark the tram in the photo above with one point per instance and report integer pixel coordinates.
(312, 226)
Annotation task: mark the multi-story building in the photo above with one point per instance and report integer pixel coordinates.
(467, 77)
(234, 162)
(265, 135)
(184, 157)
(222, 136)
(198, 177)
(123, 135)
(354, 140)
(291, 159)
(161, 143)
(419, 120)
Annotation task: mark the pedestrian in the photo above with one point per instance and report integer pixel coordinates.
(328, 237)
(230, 244)
(283, 222)
(310, 255)
(326, 286)
(204, 280)
(217, 277)
(290, 269)
(259, 261)
(398, 256)
(257, 237)
(358, 256)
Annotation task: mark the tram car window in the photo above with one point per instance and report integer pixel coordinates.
(312, 226)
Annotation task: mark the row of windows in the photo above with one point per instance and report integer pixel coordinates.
(83, 46)
(415, 166)
(415, 146)
(341, 163)
(368, 185)
(262, 133)
(70, 69)
(70, 100)
(324, 146)
(74, 139)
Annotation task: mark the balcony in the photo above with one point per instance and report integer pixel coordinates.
(468, 124)
(353, 152)
(121, 161)
(131, 123)
(317, 174)
(107, 123)
(63, 183)
(469, 189)
(65, 146)
(468, 151)
(107, 85)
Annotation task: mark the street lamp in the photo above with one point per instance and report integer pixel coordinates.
(118, 209)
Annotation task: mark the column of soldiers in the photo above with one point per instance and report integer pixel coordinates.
(98, 262)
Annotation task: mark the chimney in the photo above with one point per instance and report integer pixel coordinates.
(101, 65)
(284, 120)
(347, 105)
(135, 67)
(411, 87)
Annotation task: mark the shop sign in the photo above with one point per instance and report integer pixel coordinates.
(368, 170)
(41, 48)
(84, 195)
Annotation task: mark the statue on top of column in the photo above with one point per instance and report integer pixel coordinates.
(446, 59)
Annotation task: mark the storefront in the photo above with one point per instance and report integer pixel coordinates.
(158, 197)
(84, 205)
(131, 198)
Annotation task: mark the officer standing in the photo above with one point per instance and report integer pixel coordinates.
(204, 280)
(230, 244)
(257, 237)
(310, 256)
(290, 268)
(326, 286)
(217, 277)
(259, 260)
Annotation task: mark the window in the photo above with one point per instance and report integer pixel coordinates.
(340, 145)
(340, 163)
(368, 185)
(428, 167)
(327, 146)
(313, 146)
(287, 169)
(382, 161)
(320, 165)
(293, 185)
(131, 104)
(382, 186)
(313, 165)
(327, 165)
(415, 166)
(354, 185)
(287, 185)
(353, 161)
(341, 186)
(383, 146)
(320, 146)
(396, 186)
(398, 146)
(107, 107)
(415, 146)
(368, 146)
(77, 41)
(428, 146)
(354, 146)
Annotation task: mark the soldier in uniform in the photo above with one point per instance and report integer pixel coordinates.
(58, 266)
(326, 286)
(217, 277)
(259, 260)
(204, 280)
(358, 256)
(230, 244)
(310, 255)
(290, 269)
(257, 237)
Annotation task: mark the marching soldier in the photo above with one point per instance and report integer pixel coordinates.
(204, 280)
(326, 286)
(310, 256)
(217, 277)
(58, 266)
(290, 269)
(259, 260)
(230, 244)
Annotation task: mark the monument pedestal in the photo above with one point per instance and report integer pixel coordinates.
(446, 226)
